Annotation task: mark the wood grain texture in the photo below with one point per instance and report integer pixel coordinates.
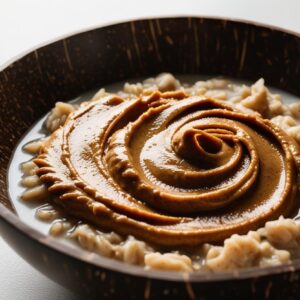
(63, 70)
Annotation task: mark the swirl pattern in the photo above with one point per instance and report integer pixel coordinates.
(170, 169)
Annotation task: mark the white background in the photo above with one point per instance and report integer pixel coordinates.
(26, 24)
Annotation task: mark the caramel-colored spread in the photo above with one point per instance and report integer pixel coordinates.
(170, 169)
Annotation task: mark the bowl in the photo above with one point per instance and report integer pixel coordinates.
(61, 70)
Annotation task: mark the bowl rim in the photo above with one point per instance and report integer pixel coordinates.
(109, 264)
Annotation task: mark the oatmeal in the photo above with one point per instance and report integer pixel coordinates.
(172, 170)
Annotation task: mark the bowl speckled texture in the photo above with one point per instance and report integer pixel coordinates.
(31, 85)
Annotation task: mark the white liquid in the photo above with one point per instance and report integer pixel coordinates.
(26, 211)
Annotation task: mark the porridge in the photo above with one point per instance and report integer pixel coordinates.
(171, 176)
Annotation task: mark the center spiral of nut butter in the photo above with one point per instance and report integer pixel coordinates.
(171, 169)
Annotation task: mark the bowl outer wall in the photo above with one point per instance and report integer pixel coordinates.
(30, 86)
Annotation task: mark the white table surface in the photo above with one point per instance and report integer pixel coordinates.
(25, 24)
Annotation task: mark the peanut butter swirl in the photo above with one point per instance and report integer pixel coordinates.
(170, 169)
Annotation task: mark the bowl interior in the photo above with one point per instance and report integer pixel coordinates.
(30, 86)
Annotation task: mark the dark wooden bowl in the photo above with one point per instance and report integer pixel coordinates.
(31, 85)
